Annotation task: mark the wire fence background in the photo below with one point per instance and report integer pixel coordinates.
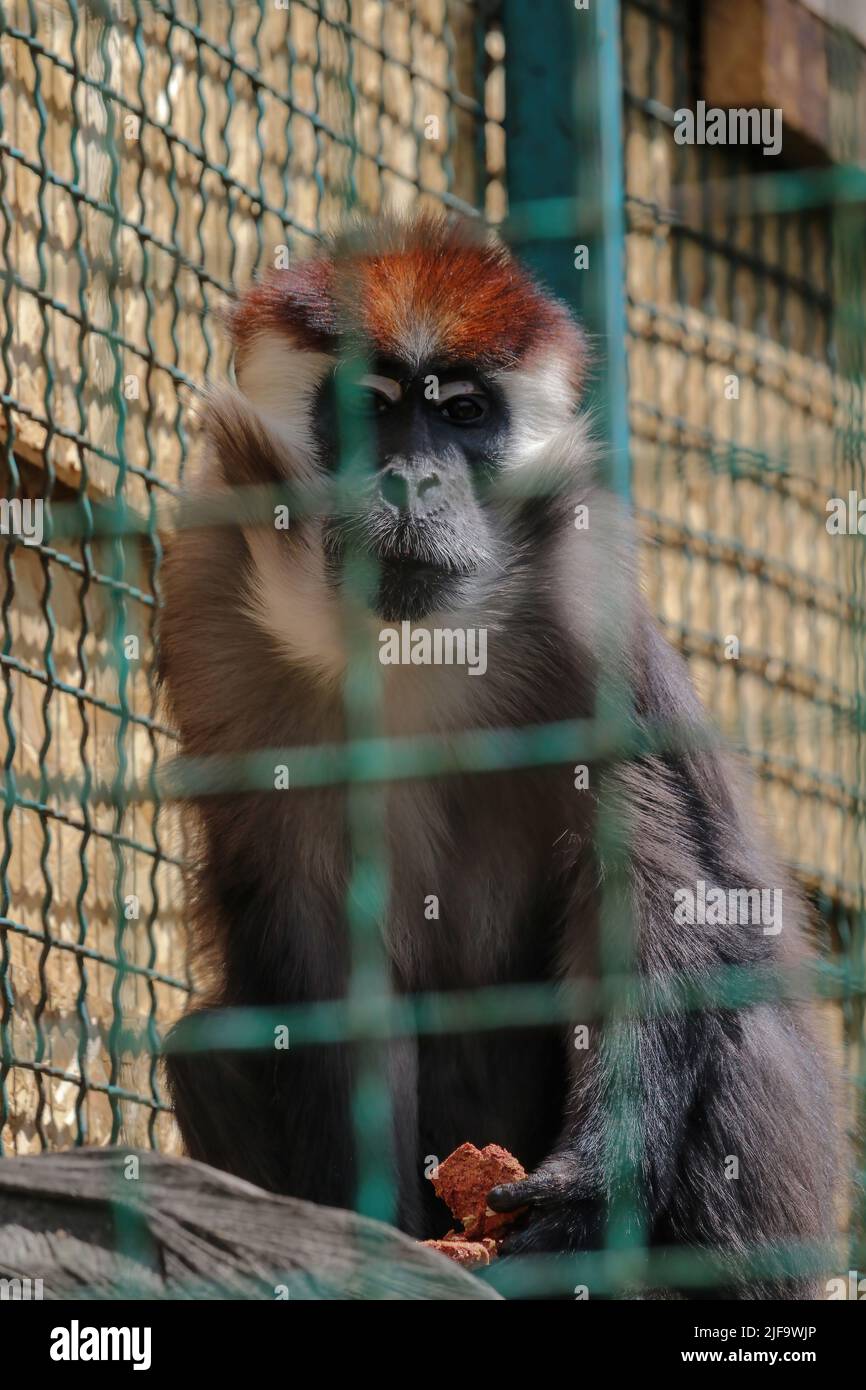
(152, 158)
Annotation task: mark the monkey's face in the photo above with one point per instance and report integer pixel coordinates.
(418, 371)
(431, 437)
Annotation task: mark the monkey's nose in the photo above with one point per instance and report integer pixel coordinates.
(427, 486)
(395, 489)
(410, 491)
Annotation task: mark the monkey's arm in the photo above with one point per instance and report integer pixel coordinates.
(632, 1094)
(692, 1088)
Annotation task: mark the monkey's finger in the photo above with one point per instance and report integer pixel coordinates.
(510, 1195)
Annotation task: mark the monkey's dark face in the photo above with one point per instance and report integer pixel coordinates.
(431, 438)
(466, 405)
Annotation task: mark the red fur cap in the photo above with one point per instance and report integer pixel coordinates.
(391, 286)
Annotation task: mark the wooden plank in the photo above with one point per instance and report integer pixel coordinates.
(779, 54)
(86, 1227)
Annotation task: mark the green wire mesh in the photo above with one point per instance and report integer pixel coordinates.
(155, 156)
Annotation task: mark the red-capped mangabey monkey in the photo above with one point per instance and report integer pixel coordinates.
(468, 522)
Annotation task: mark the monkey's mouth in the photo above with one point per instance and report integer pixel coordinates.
(409, 571)
(411, 588)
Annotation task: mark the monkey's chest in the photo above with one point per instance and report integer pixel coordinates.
(472, 901)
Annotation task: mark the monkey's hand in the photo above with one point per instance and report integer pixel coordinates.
(560, 1214)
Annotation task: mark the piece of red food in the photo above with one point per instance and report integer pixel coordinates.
(464, 1252)
(463, 1181)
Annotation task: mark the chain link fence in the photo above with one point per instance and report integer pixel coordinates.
(153, 157)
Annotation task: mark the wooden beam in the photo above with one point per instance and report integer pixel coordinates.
(116, 1223)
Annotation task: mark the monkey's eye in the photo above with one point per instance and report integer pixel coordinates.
(462, 402)
(464, 410)
(364, 401)
(372, 395)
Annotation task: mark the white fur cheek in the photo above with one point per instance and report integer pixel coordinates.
(289, 600)
(280, 382)
(540, 402)
(592, 569)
